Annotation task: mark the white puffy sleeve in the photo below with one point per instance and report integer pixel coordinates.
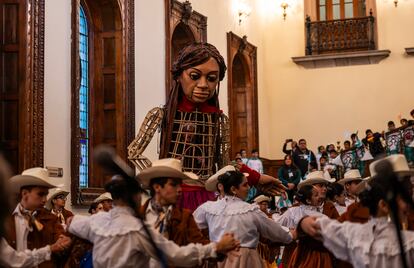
(28, 258)
(270, 229)
(336, 236)
(286, 219)
(184, 256)
(200, 217)
(80, 226)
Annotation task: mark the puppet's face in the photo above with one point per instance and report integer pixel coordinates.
(200, 82)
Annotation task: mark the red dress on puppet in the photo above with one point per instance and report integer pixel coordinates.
(193, 135)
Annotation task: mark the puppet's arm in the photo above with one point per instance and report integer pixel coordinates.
(224, 141)
(151, 123)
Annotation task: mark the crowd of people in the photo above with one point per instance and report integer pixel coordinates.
(137, 222)
(317, 211)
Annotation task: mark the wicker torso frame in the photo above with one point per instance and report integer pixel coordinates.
(193, 141)
(200, 140)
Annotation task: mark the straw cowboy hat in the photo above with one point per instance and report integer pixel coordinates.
(103, 197)
(399, 166)
(362, 185)
(53, 194)
(262, 198)
(350, 175)
(314, 178)
(211, 183)
(31, 177)
(170, 168)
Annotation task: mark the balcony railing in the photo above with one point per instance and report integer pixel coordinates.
(336, 36)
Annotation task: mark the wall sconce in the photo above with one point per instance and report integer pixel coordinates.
(285, 5)
(396, 3)
(243, 11)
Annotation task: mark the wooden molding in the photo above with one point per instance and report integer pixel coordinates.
(271, 166)
(36, 24)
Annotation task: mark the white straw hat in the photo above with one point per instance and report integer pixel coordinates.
(31, 177)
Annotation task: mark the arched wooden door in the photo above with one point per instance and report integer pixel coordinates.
(183, 26)
(181, 37)
(242, 94)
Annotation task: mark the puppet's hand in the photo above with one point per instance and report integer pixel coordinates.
(270, 185)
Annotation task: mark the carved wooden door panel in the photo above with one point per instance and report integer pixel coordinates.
(242, 94)
(21, 82)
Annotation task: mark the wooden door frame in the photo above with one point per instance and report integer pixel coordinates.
(31, 87)
(176, 12)
(126, 80)
(236, 44)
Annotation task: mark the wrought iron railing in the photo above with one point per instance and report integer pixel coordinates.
(343, 35)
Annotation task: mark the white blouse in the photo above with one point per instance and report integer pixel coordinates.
(27, 258)
(120, 241)
(245, 220)
(293, 215)
(372, 244)
(341, 209)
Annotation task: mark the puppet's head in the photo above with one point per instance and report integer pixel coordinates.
(197, 72)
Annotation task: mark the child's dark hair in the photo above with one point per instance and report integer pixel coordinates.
(123, 189)
(334, 189)
(370, 198)
(229, 179)
(92, 207)
(304, 194)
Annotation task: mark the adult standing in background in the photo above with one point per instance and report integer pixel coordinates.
(293, 144)
(290, 176)
(304, 158)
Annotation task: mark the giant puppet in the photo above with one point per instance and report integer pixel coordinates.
(193, 128)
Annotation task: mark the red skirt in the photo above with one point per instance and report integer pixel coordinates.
(311, 253)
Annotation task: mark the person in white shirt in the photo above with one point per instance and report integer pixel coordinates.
(255, 163)
(246, 221)
(120, 239)
(9, 257)
(372, 244)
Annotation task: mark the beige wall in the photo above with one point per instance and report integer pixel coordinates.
(322, 105)
(319, 104)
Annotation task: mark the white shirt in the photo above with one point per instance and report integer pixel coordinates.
(22, 229)
(28, 258)
(349, 201)
(152, 219)
(341, 209)
(255, 164)
(245, 220)
(293, 215)
(120, 241)
(152, 216)
(372, 244)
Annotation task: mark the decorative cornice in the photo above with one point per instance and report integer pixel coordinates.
(342, 59)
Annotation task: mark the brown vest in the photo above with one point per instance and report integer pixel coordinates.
(38, 239)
